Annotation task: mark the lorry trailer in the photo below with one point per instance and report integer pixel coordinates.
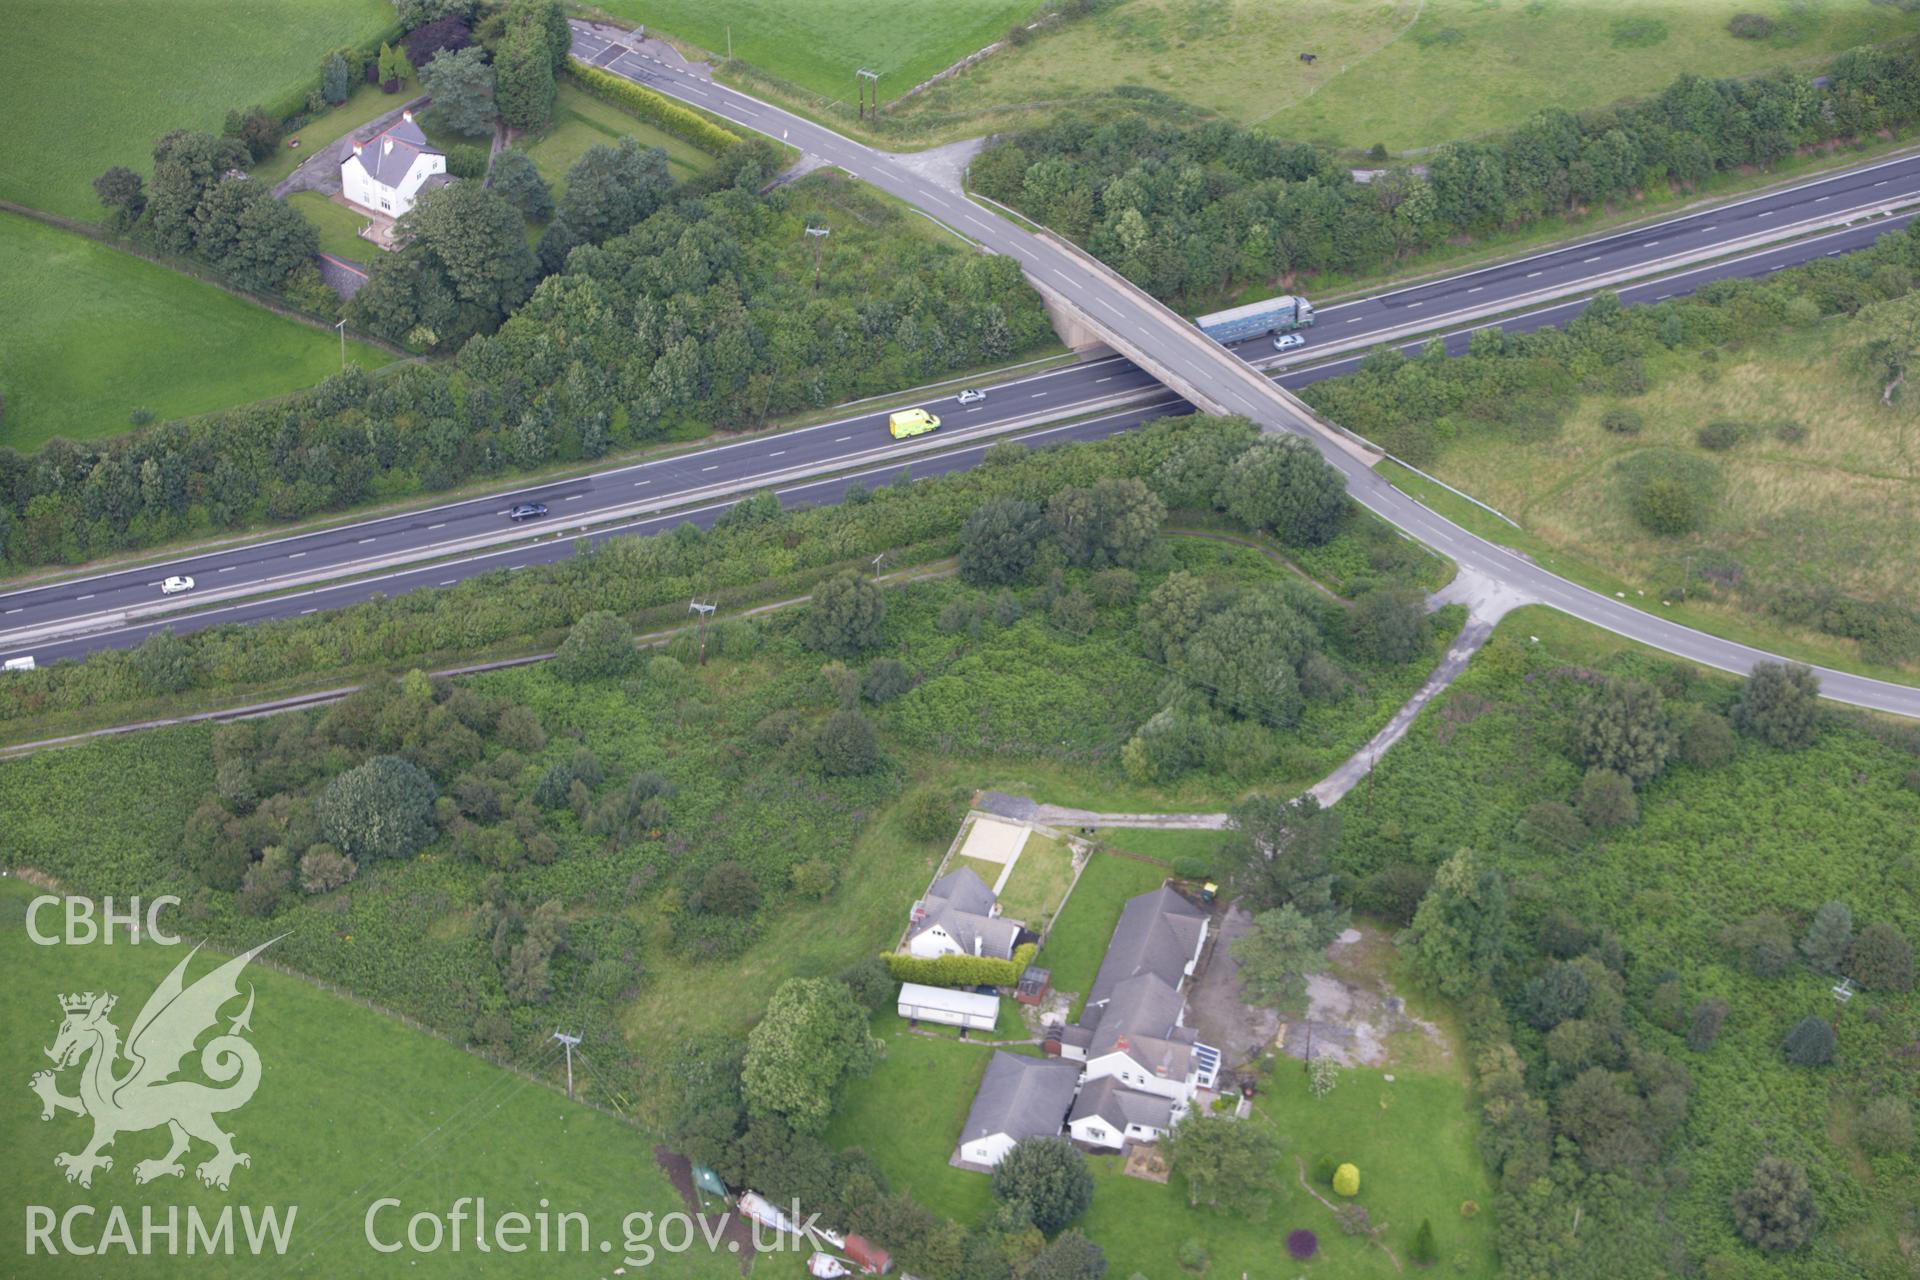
(1256, 319)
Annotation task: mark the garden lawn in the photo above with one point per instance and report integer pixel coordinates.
(1034, 887)
(365, 103)
(92, 83)
(1085, 926)
(339, 226)
(352, 1106)
(820, 44)
(88, 334)
(580, 121)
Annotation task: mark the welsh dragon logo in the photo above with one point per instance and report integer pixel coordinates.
(145, 1095)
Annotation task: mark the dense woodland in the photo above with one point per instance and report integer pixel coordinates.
(703, 314)
(1191, 213)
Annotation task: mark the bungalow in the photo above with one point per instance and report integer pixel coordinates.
(1108, 1115)
(1019, 1097)
(1159, 932)
(385, 173)
(960, 916)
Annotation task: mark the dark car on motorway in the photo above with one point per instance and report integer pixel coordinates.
(528, 511)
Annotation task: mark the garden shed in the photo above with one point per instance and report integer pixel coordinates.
(973, 1010)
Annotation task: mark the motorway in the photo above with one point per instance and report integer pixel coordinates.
(93, 612)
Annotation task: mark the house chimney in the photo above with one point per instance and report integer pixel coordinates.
(407, 115)
(357, 145)
(388, 149)
(979, 944)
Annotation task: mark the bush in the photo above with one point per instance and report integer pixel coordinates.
(1706, 741)
(1302, 1244)
(1750, 26)
(998, 542)
(1721, 435)
(1622, 421)
(1552, 827)
(815, 878)
(1779, 704)
(1323, 1170)
(727, 889)
(1669, 492)
(959, 970)
(1763, 942)
(847, 745)
(845, 616)
(324, 868)
(1423, 1251)
(1704, 1029)
(1192, 1256)
(885, 680)
(931, 813)
(652, 107)
(1809, 1043)
(1346, 1180)
(382, 809)
(467, 161)
(1886, 1126)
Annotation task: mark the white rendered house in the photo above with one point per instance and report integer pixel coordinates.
(386, 172)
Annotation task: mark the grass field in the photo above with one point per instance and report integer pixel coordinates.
(1080, 939)
(92, 83)
(339, 226)
(820, 44)
(1407, 73)
(352, 1107)
(89, 334)
(580, 122)
(1838, 507)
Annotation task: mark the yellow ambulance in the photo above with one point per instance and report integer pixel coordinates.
(911, 422)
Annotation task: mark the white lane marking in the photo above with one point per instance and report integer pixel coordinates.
(1109, 306)
(1881, 183)
(1663, 297)
(573, 497)
(1764, 213)
(432, 527)
(777, 453)
(1356, 320)
(1532, 274)
(228, 569)
(305, 612)
(1652, 243)
(975, 409)
(296, 555)
(714, 467)
(512, 567)
(638, 483)
(1412, 305)
(1821, 199)
(88, 596)
(1595, 258)
(1477, 288)
(364, 541)
(841, 439)
(22, 607)
(1108, 378)
(449, 582)
(1706, 228)
(1036, 395)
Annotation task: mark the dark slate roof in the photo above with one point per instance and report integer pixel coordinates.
(1158, 933)
(1021, 1097)
(963, 888)
(1120, 1106)
(388, 156)
(961, 903)
(1142, 1020)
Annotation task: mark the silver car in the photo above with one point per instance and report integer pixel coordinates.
(1288, 341)
(972, 396)
(175, 585)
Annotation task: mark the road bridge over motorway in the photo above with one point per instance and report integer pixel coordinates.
(1208, 375)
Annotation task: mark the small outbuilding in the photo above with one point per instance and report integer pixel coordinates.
(969, 1009)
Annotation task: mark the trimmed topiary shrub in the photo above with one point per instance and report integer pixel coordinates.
(1302, 1244)
(1346, 1180)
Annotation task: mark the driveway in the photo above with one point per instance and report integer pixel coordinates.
(1214, 1008)
(320, 171)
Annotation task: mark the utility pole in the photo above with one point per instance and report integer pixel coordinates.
(865, 81)
(568, 1041)
(1686, 577)
(694, 606)
(819, 237)
(342, 327)
(729, 42)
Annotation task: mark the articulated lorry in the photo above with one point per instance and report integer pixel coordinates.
(1275, 315)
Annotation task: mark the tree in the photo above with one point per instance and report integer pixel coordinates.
(1281, 853)
(1169, 615)
(1603, 1114)
(1556, 995)
(461, 85)
(186, 165)
(1277, 954)
(334, 85)
(611, 189)
(1764, 944)
(599, 646)
(1881, 959)
(1828, 937)
(165, 662)
(270, 241)
(1704, 1028)
(1607, 799)
(515, 180)
(395, 67)
(1775, 1210)
(523, 76)
(1070, 1257)
(1779, 705)
(1227, 1165)
(845, 616)
(1809, 1043)
(1552, 827)
(1625, 729)
(886, 680)
(1048, 1177)
(122, 194)
(1283, 484)
(381, 809)
(1112, 523)
(1389, 625)
(324, 868)
(813, 1039)
(465, 266)
(1886, 1126)
(1246, 657)
(1459, 931)
(998, 542)
(1424, 1252)
(847, 745)
(1707, 741)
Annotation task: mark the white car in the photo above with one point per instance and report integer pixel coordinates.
(175, 585)
(972, 396)
(1288, 341)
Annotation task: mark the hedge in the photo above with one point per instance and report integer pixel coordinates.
(961, 971)
(652, 107)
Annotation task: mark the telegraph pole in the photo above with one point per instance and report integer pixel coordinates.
(819, 236)
(342, 327)
(570, 1042)
(694, 606)
(865, 81)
